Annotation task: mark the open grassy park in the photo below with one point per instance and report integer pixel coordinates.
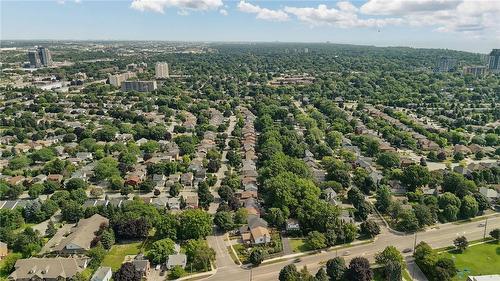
(476, 260)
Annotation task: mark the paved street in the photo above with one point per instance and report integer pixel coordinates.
(224, 167)
(438, 237)
(217, 242)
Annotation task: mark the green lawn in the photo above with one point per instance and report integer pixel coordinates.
(117, 254)
(242, 252)
(480, 259)
(298, 245)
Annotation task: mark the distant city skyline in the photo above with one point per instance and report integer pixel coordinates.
(470, 25)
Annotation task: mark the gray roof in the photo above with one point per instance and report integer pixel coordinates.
(83, 234)
(47, 268)
(178, 259)
(101, 273)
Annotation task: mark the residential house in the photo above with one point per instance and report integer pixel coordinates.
(292, 225)
(142, 265)
(174, 203)
(330, 195)
(255, 231)
(176, 260)
(81, 235)
(191, 201)
(49, 269)
(187, 179)
(55, 177)
(490, 194)
(103, 273)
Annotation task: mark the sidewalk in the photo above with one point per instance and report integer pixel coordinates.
(415, 272)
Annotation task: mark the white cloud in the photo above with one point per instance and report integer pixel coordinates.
(262, 13)
(467, 16)
(159, 6)
(223, 12)
(403, 7)
(345, 15)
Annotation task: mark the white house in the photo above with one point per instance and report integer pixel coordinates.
(102, 274)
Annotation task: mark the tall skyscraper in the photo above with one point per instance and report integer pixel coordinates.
(445, 64)
(34, 59)
(494, 61)
(161, 70)
(45, 56)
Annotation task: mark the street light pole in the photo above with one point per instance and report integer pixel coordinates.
(485, 225)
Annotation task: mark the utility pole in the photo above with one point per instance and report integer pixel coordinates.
(415, 243)
(485, 225)
(251, 269)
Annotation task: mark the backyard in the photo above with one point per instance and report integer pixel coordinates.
(479, 259)
(116, 255)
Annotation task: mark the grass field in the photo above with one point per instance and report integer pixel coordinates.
(116, 255)
(480, 259)
(298, 245)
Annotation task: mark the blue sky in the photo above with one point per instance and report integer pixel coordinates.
(471, 25)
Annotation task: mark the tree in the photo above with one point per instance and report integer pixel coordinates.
(333, 139)
(204, 195)
(461, 243)
(199, 255)
(107, 239)
(289, 273)
(146, 186)
(75, 183)
(392, 262)
(160, 250)
(166, 226)
(415, 176)
(450, 213)
(96, 255)
(321, 275)
(384, 198)
(276, 217)
(359, 270)
(370, 228)
(224, 221)
(256, 256)
(389, 254)
(423, 214)
(127, 272)
(176, 272)
(495, 234)
(407, 221)
(336, 268)
(445, 269)
(106, 168)
(71, 211)
(96, 192)
(315, 240)
(194, 224)
(175, 189)
(388, 160)
(363, 210)
(447, 199)
(51, 229)
(482, 202)
(469, 207)
(35, 190)
(9, 262)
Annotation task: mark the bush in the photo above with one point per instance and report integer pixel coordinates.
(176, 272)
